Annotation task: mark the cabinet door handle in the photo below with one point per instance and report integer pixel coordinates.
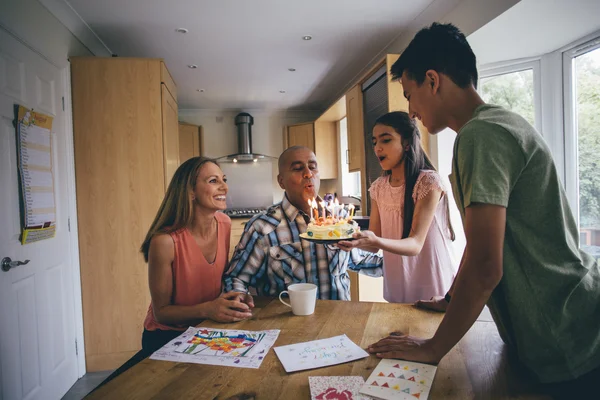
(347, 156)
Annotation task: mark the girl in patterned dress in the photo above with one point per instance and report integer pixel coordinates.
(409, 219)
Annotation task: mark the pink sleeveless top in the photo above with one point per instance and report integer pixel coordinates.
(195, 280)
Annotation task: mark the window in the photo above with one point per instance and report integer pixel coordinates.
(582, 139)
(350, 180)
(515, 88)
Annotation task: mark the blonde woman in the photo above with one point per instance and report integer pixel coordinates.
(186, 249)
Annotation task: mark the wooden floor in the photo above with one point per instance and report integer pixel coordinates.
(85, 385)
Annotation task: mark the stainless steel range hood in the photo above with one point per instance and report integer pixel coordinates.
(244, 122)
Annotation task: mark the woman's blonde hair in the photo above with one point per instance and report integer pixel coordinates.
(176, 209)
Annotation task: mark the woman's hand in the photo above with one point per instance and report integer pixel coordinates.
(436, 303)
(228, 308)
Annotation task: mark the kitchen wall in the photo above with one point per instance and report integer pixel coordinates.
(220, 134)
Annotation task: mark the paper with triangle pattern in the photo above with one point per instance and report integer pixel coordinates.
(397, 379)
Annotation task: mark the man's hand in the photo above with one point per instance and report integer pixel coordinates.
(436, 303)
(247, 299)
(406, 347)
(228, 308)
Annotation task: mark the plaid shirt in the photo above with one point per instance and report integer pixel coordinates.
(270, 256)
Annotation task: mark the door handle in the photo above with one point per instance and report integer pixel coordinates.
(7, 263)
(347, 156)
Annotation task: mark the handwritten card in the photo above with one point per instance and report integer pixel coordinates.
(319, 353)
(397, 379)
(336, 388)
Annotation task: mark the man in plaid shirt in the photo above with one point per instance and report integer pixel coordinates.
(270, 255)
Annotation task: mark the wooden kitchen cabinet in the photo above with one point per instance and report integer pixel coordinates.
(190, 141)
(322, 138)
(301, 135)
(237, 229)
(356, 129)
(170, 133)
(326, 148)
(397, 101)
(126, 146)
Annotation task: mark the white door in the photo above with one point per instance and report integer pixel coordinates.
(37, 317)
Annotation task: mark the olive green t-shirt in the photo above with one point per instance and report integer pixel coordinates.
(547, 305)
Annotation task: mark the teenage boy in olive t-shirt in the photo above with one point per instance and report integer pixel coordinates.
(522, 256)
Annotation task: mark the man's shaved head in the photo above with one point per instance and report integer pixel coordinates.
(285, 158)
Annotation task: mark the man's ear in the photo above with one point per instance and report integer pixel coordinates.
(280, 181)
(432, 79)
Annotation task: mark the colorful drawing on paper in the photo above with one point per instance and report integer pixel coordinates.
(226, 347)
(404, 380)
(336, 387)
(219, 343)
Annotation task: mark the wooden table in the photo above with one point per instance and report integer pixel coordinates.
(477, 368)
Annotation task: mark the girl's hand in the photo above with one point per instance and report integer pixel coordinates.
(365, 239)
(344, 245)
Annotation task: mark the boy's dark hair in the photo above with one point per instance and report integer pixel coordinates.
(442, 48)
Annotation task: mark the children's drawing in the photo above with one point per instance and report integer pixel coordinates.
(220, 343)
(336, 388)
(227, 347)
(400, 380)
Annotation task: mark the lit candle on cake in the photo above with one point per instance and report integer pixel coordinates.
(331, 211)
(315, 210)
(336, 207)
(323, 208)
(351, 210)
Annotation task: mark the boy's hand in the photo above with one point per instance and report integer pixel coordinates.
(436, 303)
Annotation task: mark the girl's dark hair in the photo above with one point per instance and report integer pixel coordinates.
(415, 161)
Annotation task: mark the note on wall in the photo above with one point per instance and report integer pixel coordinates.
(36, 177)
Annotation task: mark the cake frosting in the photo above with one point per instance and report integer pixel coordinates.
(331, 228)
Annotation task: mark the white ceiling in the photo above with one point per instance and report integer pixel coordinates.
(243, 48)
(535, 27)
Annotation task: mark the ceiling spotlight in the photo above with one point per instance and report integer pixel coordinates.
(282, 91)
(235, 160)
(306, 37)
(291, 69)
(181, 30)
(192, 66)
(200, 90)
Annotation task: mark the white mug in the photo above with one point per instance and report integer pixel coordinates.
(302, 296)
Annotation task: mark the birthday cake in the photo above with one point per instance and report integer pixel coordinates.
(331, 228)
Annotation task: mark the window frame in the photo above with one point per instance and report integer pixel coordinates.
(570, 129)
(512, 66)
